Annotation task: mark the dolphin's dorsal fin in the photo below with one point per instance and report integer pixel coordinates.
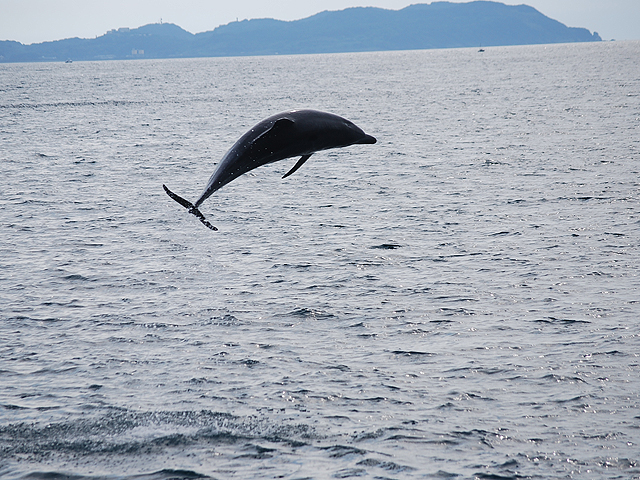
(298, 164)
(274, 137)
(283, 122)
(277, 126)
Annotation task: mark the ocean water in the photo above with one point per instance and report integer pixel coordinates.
(459, 300)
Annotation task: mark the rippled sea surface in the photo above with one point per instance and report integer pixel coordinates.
(459, 300)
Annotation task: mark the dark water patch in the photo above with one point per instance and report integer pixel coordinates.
(255, 456)
(8, 406)
(367, 263)
(601, 436)
(170, 474)
(442, 475)
(338, 417)
(455, 311)
(561, 378)
(173, 440)
(537, 441)
(385, 465)
(248, 362)
(625, 464)
(226, 320)
(309, 313)
(561, 321)
(412, 353)
(339, 451)
(612, 352)
(31, 202)
(479, 434)
(510, 464)
(458, 255)
(167, 474)
(350, 473)
(422, 439)
(156, 325)
(76, 277)
(492, 370)
(474, 396)
(130, 433)
(495, 476)
(387, 246)
(202, 381)
(369, 399)
(601, 274)
(585, 198)
(363, 436)
(21, 319)
(71, 303)
(569, 400)
(454, 299)
(57, 476)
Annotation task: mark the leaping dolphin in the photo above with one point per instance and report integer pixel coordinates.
(285, 135)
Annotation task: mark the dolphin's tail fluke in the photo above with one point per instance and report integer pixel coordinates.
(189, 206)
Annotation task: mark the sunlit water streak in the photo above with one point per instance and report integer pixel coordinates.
(459, 300)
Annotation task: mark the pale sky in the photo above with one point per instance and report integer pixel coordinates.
(35, 21)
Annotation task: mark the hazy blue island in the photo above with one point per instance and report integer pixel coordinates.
(359, 29)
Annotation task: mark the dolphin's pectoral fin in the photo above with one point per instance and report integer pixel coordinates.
(298, 164)
(189, 206)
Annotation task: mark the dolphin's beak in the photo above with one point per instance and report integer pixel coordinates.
(367, 139)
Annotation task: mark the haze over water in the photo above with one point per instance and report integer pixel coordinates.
(459, 300)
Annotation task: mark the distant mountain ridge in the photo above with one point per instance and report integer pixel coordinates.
(358, 29)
